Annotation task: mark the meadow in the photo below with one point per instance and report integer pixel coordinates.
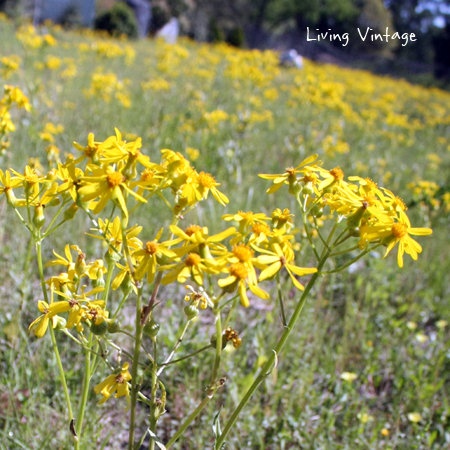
(368, 366)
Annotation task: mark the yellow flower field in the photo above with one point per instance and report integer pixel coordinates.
(110, 128)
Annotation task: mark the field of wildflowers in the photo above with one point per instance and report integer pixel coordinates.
(120, 229)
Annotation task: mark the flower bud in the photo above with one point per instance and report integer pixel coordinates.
(11, 198)
(113, 325)
(151, 328)
(213, 341)
(38, 218)
(100, 281)
(354, 232)
(127, 284)
(294, 187)
(60, 323)
(354, 220)
(99, 329)
(317, 211)
(55, 202)
(70, 212)
(307, 190)
(130, 171)
(80, 265)
(191, 311)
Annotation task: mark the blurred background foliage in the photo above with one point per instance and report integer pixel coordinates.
(282, 24)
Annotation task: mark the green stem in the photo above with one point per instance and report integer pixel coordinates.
(49, 229)
(352, 261)
(275, 355)
(26, 266)
(124, 299)
(216, 367)
(153, 418)
(61, 373)
(25, 223)
(280, 300)
(134, 370)
(172, 353)
(188, 421)
(305, 224)
(52, 333)
(347, 250)
(85, 393)
(108, 282)
(174, 361)
(230, 312)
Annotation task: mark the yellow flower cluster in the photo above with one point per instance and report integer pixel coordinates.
(373, 214)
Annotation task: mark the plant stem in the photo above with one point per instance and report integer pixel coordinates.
(188, 421)
(52, 333)
(179, 340)
(84, 395)
(280, 300)
(153, 418)
(275, 355)
(134, 370)
(218, 354)
(108, 282)
(174, 361)
(122, 302)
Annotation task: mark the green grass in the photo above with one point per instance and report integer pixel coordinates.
(355, 322)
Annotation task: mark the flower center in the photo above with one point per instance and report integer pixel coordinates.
(206, 180)
(193, 259)
(192, 229)
(290, 171)
(310, 177)
(399, 230)
(337, 173)
(115, 179)
(246, 216)
(31, 179)
(238, 270)
(120, 379)
(243, 253)
(147, 175)
(259, 228)
(151, 247)
(283, 260)
(281, 216)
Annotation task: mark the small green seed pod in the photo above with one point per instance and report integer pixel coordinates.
(307, 190)
(191, 311)
(113, 326)
(213, 341)
(317, 211)
(60, 323)
(151, 328)
(70, 212)
(99, 329)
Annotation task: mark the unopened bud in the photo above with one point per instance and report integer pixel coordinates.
(80, 265)
(99, 329)
(38, 218)
(307, 190)
(354, 220)
(70, 212)
(191, 311)
(100, 281)
(60, 323)
(213, 341)
(151, 328)
(127, 284)
(113, 326)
